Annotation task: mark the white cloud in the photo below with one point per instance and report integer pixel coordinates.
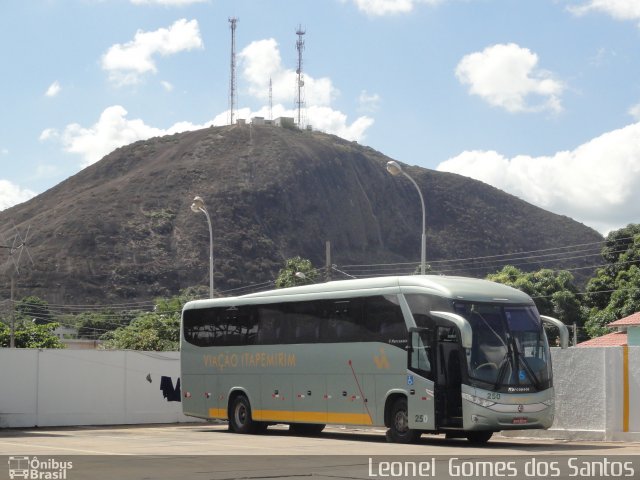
(48, 134)
(4, 151)
(369, 102)
(53, 90)
(127, 63)
(635, 111)
(618, 9)
(113, 130)
(261, 61)
(12, 194)
(166, 85)
(506, 76)
(170, 3)
(595, 183)
(390, 7)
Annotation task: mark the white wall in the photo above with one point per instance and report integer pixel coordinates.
(590, 397)
(579, 382)
(77, 387)
(634, 389)
(71, 387)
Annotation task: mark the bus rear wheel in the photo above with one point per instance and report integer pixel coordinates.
(306, 428)
(479, 437)
(399, 431)
(240, 420)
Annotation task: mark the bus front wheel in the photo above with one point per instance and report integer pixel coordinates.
(240, 419)
(399, 431)
(479, 437)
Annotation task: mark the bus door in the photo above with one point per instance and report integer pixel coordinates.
(449, 360)
(420, 385)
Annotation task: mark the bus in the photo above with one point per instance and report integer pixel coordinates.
(415, 354)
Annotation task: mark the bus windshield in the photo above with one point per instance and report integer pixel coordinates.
(509, 347)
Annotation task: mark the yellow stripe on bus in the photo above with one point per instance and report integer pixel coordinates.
(316, 417)
(218, 413)
(625, 388)
(291, 416)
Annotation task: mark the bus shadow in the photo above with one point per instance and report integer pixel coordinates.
(532, 445)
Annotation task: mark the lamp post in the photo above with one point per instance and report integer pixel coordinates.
(198, 206)
(395, 169)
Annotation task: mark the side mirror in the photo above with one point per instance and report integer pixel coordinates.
(466, 334)
(564, 331)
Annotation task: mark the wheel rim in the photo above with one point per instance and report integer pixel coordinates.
(240, 414)
(401, 421)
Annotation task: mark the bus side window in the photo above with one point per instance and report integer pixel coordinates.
(269, 323)
(384, 317)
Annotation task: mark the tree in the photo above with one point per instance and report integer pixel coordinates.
(92, 325)
(30, 335)
(152, 331)
(552, 291)
(33, 309)
(614, 291)
(149, 331)
(296, 271)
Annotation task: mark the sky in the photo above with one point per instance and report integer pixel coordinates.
(538, 98)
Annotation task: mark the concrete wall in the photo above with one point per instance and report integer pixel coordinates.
(75, 387)
(590, 395)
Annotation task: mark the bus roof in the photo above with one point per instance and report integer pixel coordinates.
(457, 288)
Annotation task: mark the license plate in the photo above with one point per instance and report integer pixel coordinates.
(519, 420)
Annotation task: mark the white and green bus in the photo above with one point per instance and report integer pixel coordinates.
(416, 354)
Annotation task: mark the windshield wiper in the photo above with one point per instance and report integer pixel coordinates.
(509, 358)
(503, 368)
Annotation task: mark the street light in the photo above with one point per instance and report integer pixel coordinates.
(395, 169)
(198, 206)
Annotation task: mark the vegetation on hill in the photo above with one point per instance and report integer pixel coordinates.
(612, 293)
(121, 231)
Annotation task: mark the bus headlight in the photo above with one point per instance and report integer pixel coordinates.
(477, 400)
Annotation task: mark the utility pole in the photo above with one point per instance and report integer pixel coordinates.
(12, 338)
(327, 261)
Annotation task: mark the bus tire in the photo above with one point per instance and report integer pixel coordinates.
(306, 428)
(399, 431)
(260, 427)
(479, 437)
(240, 419)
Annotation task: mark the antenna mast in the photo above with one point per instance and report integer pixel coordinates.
(300, 77)
(232, 81)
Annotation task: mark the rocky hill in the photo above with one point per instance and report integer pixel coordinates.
(122, 229)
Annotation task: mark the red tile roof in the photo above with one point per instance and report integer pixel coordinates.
(615, 339)
(630, 320)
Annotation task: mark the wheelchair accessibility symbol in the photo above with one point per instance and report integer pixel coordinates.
(409, 379)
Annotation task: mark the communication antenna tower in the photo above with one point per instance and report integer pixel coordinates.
(232, 81)
(300, 77)
(19, 245)
(270, 100)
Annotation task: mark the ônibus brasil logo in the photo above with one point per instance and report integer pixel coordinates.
(32, 468)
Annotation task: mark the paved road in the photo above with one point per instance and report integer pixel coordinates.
(204, 451)
(208, 439)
